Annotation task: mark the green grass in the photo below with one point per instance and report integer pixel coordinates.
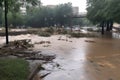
(13, 69)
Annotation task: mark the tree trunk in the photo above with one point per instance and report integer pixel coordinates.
(71, 26)
(6, 21)
(111, 25)
(102, 25)
(108, 26)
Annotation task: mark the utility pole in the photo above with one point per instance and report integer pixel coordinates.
(6, 21)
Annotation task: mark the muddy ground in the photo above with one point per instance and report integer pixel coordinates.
(76, 58)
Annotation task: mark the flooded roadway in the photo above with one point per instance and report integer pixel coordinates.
(85, 59)
(80, 59)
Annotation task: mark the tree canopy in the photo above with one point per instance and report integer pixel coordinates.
(37, 15)
(104, 11)
(14, 10)
(99, 10)
(49, 16)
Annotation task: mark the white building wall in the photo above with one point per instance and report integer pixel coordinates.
(75, 10)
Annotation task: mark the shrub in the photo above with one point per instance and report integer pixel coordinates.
(78, 35)
(61, 31)
(44, 34)
(49, 30)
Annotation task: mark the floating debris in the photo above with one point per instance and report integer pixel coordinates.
(41, 57)
(90, 41)
(46, 45)
(43, 42)
(48, 42)
(16, 47)
(35, 71)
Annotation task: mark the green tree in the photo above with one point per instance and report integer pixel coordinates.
(13, 5)
(98, 11)
(1, 12)
(63, 13)
(45, 16)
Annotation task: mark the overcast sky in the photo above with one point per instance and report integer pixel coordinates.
(80, 3)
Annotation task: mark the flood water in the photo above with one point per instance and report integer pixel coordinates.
(80, 59)
(84, 59)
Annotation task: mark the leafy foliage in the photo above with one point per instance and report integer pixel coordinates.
(103, 10)
(46, 16)
(37, 15)
(13, 8)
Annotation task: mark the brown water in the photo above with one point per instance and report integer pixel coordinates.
(79, 59)
(97, 59)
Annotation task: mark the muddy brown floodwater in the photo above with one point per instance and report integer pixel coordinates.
(79, 59)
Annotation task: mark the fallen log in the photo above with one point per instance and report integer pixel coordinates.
(35, 71)
(46, 58)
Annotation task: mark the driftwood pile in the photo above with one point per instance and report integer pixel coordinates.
(20, 48)
(21, 44)
(43, 42)
(15, 47)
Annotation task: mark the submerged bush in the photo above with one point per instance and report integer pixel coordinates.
(78, 35)
(44, 34)
(61, 31)
(49, 30)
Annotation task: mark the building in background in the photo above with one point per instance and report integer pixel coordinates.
(51, 6)
(23, 7)
(23, 10)
(75, 9)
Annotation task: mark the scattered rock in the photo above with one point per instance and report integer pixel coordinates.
(101, 65)
(60, 38)
(46, 45)
(97, 69)
(58, 65)
(41, 57)
(43, 42)
(35, 71)
(48, 42)
(70, 41)
(91, 61)
(110, 79)
(90, 41)
(44, 75)
(63, 39)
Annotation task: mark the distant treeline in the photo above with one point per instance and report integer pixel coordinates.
(41, 16)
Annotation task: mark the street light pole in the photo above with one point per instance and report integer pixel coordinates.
(6, 21)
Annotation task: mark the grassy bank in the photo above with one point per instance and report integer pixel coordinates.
(13, 69)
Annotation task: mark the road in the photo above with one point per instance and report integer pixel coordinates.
(84, 59)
